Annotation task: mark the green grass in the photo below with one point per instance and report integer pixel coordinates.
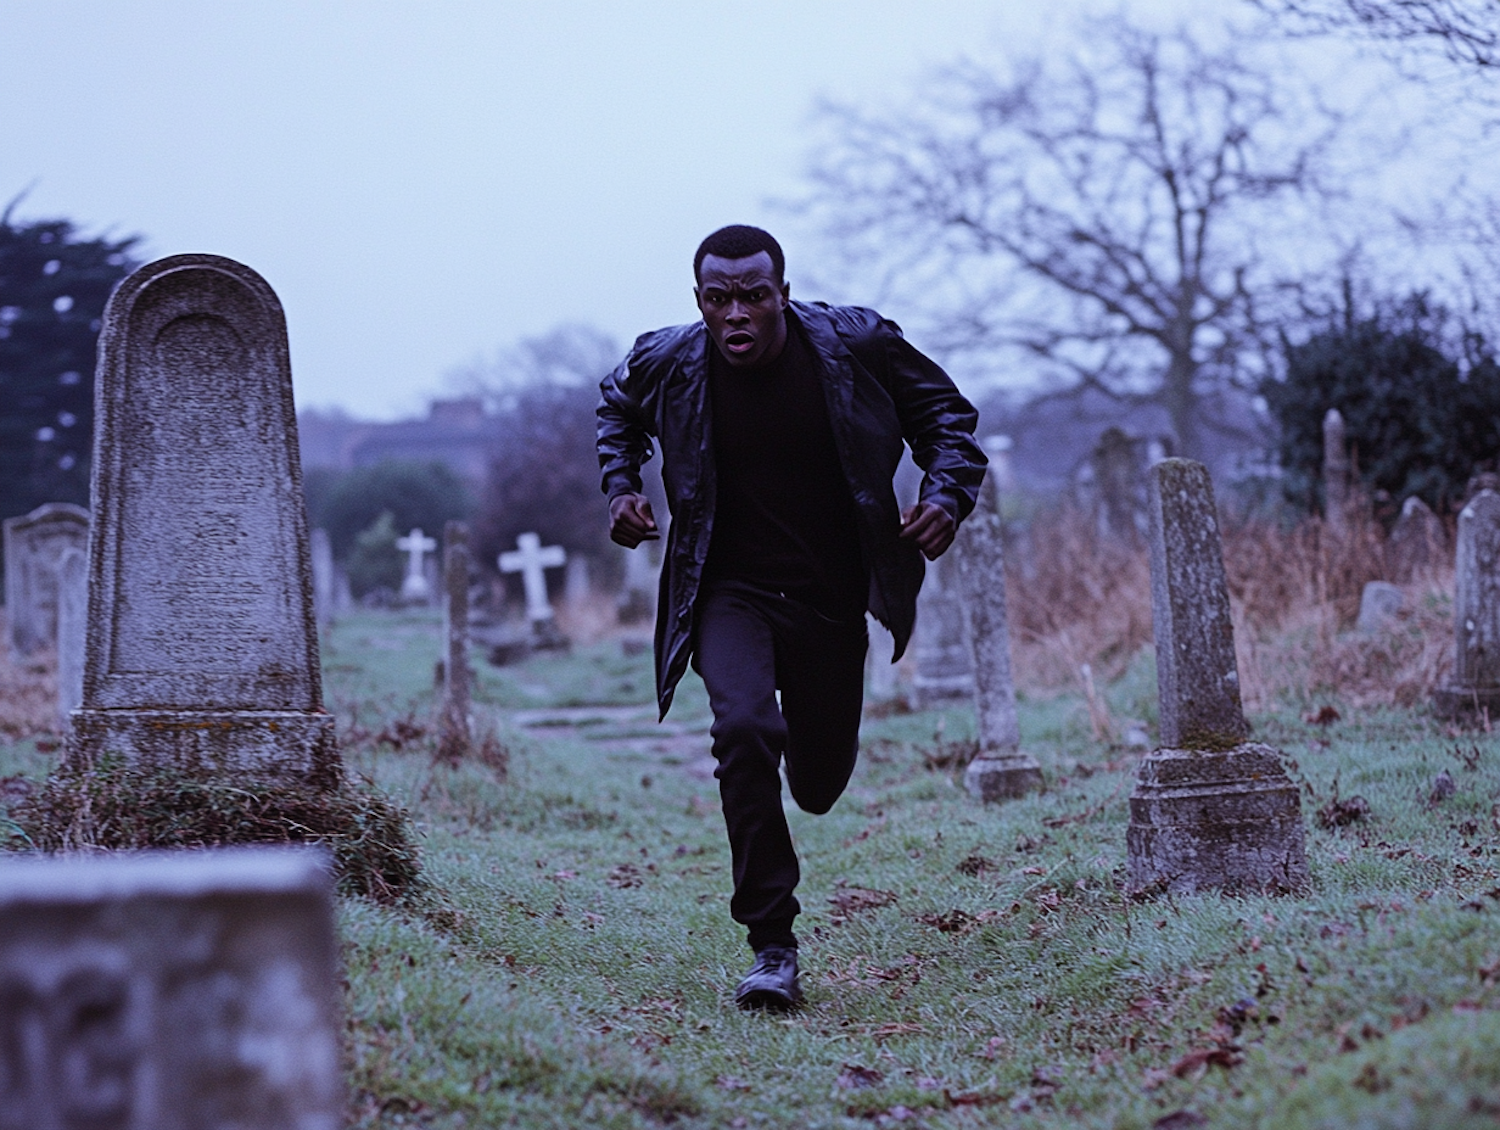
(585, 975)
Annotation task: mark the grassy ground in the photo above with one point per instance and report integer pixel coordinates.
(964, 965)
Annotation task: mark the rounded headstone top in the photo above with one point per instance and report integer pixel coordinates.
(181, 269)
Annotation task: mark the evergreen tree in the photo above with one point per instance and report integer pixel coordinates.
(53, 287)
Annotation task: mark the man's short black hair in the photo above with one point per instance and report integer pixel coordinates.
(740, 241)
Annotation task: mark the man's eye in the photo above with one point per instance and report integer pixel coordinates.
(756, 296)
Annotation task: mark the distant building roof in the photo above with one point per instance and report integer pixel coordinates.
(456, 432)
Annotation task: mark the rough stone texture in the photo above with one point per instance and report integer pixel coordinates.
(1476, 612)
(1226, 820)
(1337, 485)
(202, 648)
(1209, 811)
(944, 665)
(182, 991)
(1379, 604)
(323, 575)
(1197, 679)
(1000, 769)
(34, 544)
(456, 739)
(1418, 543)
(72, 627)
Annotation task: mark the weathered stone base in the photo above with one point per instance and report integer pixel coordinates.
(274, 744)
(1457, 702)
(1227, 820)
(1002, 775)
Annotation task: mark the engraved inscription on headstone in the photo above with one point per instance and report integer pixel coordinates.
(1210, 809)
(169, 991)
(1475, 689)
(202, 649)
(34, 545)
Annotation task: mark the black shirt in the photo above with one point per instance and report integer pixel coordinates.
(784, 519)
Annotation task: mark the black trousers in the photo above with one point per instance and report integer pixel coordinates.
(748, 644)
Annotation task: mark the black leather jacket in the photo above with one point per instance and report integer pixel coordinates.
(880, 391)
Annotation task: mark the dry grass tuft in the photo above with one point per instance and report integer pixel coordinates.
(1081, 598)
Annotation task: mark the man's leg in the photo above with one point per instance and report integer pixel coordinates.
(735, 653)
(821, 671)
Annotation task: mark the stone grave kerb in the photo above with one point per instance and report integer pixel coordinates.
(202, 642)
(1197, 675)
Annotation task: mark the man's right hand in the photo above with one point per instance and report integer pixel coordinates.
(631, 521)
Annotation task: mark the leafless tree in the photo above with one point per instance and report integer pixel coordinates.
(1109, 216)
(1466, 31)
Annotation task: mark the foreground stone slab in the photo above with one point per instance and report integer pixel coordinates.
(169, 991)
(34, 547)
(1000, 770)
(202, 647)
(1475, 689)
(1209, 810)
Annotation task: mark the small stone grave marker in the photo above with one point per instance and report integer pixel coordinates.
(530, 558)
(1475, 689)
(1000, 769)
(1380, 602)
(323, 575)
(1210, 809)
(34, 544)
(191, 990)
(1337, 485)
(415, 588)
(1418, 543)
(940, 647)
(202, 648)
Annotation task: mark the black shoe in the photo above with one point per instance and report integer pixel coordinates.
(772, 982)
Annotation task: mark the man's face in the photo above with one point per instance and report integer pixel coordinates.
(742, 304)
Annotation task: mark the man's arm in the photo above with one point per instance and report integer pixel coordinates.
(624, 444)
(938, 423)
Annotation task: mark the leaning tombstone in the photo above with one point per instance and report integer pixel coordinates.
(1337, 485)
(72, 626)
(1000, 769)
(176, 991)
(1210, 809)
(201, 650)
(1380, 602)
(1417, 544)
(34, 544)
(940, 647)
(322, 572)
(1475, 689)
(456, 735)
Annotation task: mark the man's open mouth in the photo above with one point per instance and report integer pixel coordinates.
(739, 342)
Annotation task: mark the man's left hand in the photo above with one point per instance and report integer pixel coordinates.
(929, 525)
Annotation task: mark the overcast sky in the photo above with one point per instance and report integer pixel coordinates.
(423, 183)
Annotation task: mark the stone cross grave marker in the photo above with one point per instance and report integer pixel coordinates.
(1475, 689)
(456, 736)
(323, 578)
(202, 649)
(72, 629)
(944, 665)
(1209, 809)
(1337, 486)
(414, 586)
(1000, 769)
(34, 544)
(191, 990)
(530, 558)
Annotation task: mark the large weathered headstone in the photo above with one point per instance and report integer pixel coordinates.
(1210, 809)
(940, 646)
(1418, 544)
(1000, 769)
(415, 587)
(72, 629)
(323, 575)
(34, 544)
(202, 647)
(456, 733)
(169, 991)
(1337, 483)
(1475, 689)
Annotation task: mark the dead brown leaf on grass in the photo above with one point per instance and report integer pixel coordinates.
(852, 900)
(625, 876)
(856, 1076)
(958, 921)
